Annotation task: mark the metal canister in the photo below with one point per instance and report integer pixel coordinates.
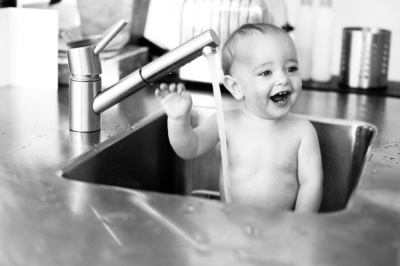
(365, 58)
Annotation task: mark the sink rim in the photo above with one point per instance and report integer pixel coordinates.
(76, 161)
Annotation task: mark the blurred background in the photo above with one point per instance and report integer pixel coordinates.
(163, 20)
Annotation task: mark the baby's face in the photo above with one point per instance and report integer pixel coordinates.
(266, 70)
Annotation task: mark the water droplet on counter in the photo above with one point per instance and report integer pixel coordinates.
(199, 237)
(203, 249)
(59, 172)
(242, 254)
(251, 230)
(226, 209)
(186, 208)
(105, 220)
(190, 208)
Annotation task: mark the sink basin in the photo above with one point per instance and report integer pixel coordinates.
(142, 158)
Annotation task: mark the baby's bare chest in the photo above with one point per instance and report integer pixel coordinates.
(263, 164)
(279, 145)
(265, 143)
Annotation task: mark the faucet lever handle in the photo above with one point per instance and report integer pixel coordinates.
(109, 36)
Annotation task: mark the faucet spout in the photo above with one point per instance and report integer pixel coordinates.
(155, 70)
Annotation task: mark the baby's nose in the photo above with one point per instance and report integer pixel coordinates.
(281, 78)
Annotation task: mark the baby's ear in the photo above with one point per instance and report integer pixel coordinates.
(232, 86)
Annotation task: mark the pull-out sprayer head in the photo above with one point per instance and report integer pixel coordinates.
(156, 70)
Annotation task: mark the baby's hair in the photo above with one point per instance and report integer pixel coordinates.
(228, 49)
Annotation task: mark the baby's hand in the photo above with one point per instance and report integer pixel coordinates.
(176, 101)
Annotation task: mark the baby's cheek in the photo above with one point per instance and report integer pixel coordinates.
(297, 85)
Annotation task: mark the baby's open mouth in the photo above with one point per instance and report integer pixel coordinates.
(280, 97)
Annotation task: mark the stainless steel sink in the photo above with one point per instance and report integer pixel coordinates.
(143, 159)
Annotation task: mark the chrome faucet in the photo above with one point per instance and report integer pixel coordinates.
(87, 101)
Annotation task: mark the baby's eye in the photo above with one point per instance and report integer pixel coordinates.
(292, 69)
(266, 73)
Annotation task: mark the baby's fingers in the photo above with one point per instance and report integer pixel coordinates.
(172, 87)
(158, 93)
(165, 89)
(162, 91)
(180, 88)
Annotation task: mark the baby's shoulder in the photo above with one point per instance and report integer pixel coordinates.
(232, 114)
(232, 111)
(301, 124)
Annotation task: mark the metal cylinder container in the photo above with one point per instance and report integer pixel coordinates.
(365, 58)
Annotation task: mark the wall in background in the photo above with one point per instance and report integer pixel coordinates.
(360, 13)
(164, 21)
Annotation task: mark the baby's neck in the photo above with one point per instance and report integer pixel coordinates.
(250, 115)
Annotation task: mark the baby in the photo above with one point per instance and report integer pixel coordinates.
(274, 156)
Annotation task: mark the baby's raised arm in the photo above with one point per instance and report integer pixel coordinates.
(310, 172)
(187, 142)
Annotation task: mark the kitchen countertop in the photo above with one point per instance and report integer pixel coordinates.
(49, 220)
(392, 89)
